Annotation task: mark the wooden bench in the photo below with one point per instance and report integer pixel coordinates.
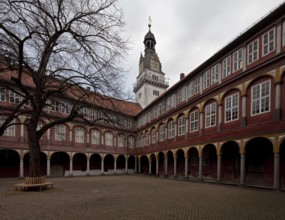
(34, 182)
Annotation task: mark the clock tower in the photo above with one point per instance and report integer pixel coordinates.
(151, 80)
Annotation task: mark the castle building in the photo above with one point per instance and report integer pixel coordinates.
(223, 122)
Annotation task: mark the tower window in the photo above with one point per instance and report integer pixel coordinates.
(156, 93)
(154, 77)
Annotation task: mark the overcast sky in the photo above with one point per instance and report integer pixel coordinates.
(187, 32)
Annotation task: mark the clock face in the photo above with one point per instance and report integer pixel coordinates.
(154, 65)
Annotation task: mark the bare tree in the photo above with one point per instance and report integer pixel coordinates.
(62, 46)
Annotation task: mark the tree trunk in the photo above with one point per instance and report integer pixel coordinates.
(34, 150)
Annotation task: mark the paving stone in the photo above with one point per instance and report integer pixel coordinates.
(138, 197)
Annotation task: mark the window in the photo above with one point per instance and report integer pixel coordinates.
(179, 96)
(14, 97)
(156, 93)
(268, 40)
(131, 142)
(215, 74)
(55, 106)
(11, 130)
(154, 77)
(171, 129)
(181, 125)
(196, 86)
(210, 115)
(252, 49)
(153, 136)
(231, 107)
(260, 98)
(142, 141)
(2, 94)
(194, 116)
(79, 135)
(227, 66)
(60, 131)
(161, 132)
(206, 79)
(147, 138)
(237, 60)
(64, 108)
(121, 140)
(108, 138)
(95, 137)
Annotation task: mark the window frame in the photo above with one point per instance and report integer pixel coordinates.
(211, 115)
(2, 94)
(79, 135)
(153, 136)
(195, 121)
(60, 133)
(181, 125)
(232, 107)
(260, 98)
(162, 132)
(255, 51)
(237, 60)
(171, 129)
(271, 42)
(215, 73)
(94, 139)
(227, 66)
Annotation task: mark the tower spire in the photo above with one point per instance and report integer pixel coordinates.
(149, 22)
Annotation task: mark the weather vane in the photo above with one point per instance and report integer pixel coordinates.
(149, 22)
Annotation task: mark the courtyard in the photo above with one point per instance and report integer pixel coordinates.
(138, 197)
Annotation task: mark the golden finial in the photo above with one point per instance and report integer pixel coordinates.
(149, 22)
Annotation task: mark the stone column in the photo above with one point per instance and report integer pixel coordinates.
(166, 166)
(115, 164)
(139, 165)
(156, 166)
(48, 166)
(21, 168)
(88, 166)
(186, 168)
(276, 183)
(200, 168)
(102, 165)
(136, 160)
(219, 168)
(242, 169)
(149, 167)
(126, 164)
(71, 166)
(175, 167)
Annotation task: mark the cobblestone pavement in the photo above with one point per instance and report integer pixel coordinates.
(138, 197)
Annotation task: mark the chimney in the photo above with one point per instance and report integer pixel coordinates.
(182, 75)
